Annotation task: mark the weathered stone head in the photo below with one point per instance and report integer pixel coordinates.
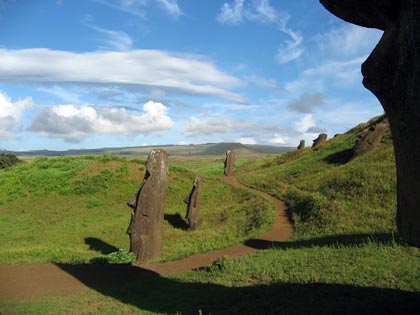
(392, 73)
(322, 138)
(369, 141)
(301, 145)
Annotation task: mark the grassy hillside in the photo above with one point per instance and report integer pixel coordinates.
(326, 193)
(345, 256)
(73, 209)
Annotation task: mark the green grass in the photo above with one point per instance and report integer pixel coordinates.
(73, 209)
(328, 195)
(345, 256)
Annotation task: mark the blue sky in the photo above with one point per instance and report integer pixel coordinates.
(106, 73)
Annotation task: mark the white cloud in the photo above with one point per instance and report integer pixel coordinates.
(278, 139)
(261, 11)
(266, 83)
(265, 12)
(304, 123)
(64, 94)
(138, 7)
(347, 41)
(291, 49)
(114, 40)
(223, 125)
(133, 7)
(231, 13)
(210, 126)
(171, 7)
(11, 115)
(188, 74)
(73, 123)
(246, 140)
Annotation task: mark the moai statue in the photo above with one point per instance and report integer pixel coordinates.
(301, 145)
(193, 205)
(146, 226)
(229, 161)
(369, 141)
(392, 73)
(318, 141)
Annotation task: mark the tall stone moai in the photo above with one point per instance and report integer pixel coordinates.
(392, 73)
(146, 226)
(229, 161)
(301, 145)
(193, 205)
(322, 138)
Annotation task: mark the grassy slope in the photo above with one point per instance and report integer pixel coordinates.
(345, 257)
(72, 209)
(328, 195)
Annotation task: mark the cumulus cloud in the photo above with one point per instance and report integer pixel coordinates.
(73, 123)
(246, 140)
(11, 115)
(143, 68)
(278, 139)
(261, 11)
(304, 123)
(307, 103)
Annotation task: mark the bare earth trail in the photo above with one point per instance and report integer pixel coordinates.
(21, 282)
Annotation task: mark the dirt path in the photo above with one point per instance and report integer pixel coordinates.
(20, 282)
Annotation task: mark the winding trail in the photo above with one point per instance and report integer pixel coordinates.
(22, 281)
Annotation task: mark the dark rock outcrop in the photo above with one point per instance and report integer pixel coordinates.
(193, 205)
(322, 138)
(229, 161)
(392, 73)
(301, 145)
(369, 141)
(146, 226)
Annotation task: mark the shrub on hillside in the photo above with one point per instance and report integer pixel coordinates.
(7, 159)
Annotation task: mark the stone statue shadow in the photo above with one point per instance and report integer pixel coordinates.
(100, 246)
(148, 291)
(341, 157)
(339, 240)
(176, 221)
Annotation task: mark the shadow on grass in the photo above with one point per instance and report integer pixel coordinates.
(100, 246)
(147, 291)
(341, 157)
(176, 221)
(333, 240)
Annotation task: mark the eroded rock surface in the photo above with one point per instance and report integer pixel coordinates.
(193, 205)
(322, 138)
(369, 141)
(392, 73)
(146, 226)
(301, 145)
(229, 161)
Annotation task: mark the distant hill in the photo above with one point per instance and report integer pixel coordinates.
(192, 149)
